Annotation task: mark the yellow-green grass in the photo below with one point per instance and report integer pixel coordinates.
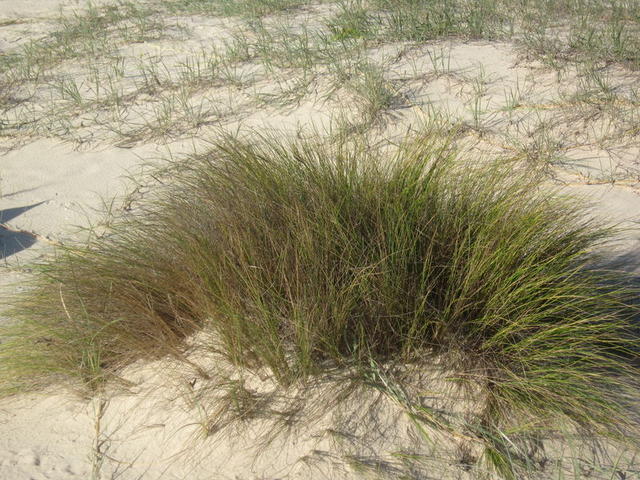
(298, 258)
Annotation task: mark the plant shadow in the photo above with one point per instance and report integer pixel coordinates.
(12, 242)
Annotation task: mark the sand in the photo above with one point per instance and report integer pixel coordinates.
(49, 188)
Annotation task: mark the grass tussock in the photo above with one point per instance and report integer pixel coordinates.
(245, 8)
(299, 258)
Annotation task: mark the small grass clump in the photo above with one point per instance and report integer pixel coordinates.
(245, 8)
(301, 258)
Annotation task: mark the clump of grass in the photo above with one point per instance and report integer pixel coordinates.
(246, 8)
(375, 93)
(421, 21)
(351, 21)
(300, 258)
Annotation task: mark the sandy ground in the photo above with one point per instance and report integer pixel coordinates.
(48, 188)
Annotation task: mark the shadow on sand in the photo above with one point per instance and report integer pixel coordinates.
(12, 242)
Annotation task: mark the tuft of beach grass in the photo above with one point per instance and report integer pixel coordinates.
(301, 258)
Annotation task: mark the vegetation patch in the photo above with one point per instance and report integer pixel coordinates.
(300, 258)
